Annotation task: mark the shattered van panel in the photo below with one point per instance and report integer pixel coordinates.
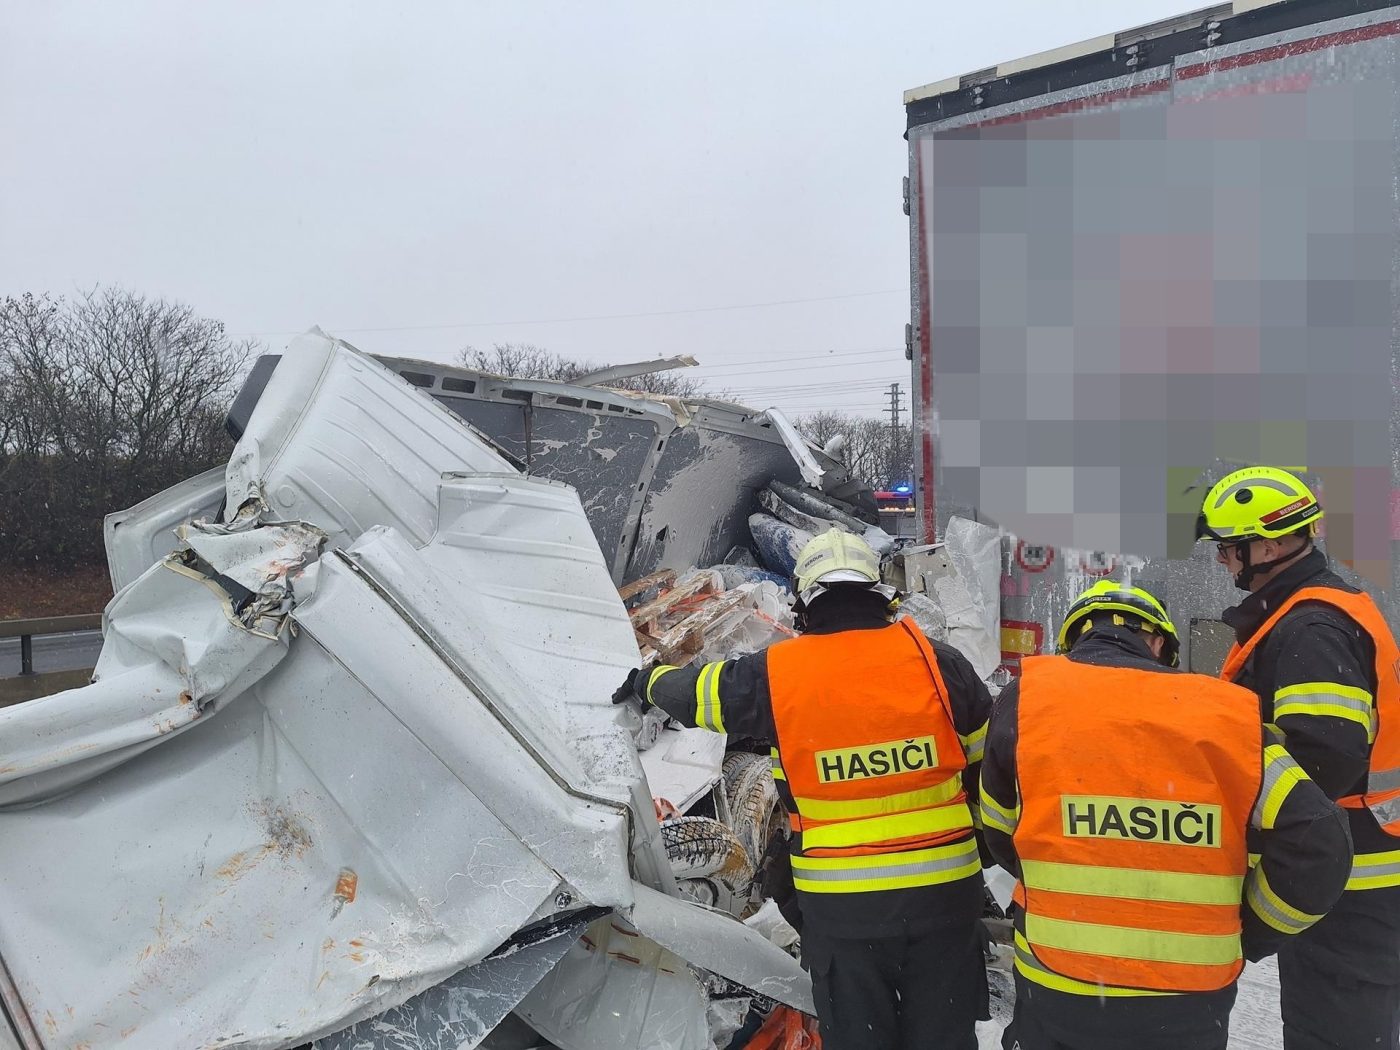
(137, 538)
(601, 454)
(461, 1012)
(698, 505)
(617, 988)
(228, 917)
(331, 443)
(221, 842)
(175, 650)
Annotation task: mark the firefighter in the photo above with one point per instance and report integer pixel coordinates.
(876, 736)
(1119, 791)
(1323, 662)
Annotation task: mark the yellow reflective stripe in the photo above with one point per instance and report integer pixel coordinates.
(820, 809)
(974, 745)
(887, 871)
(883, 829)
(1254, 859)
(998, 817)
(1374, 871)
(1274, 733)
(707, 708)
(1031, 968)
(776, 763)
(655, 675)
(976, 811)
(1327, 698)
(1126, 942)
(700, 712)
(1281, 775)
(1132, 883)
(1273, 909)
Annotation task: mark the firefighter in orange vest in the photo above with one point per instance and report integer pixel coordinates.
(1120, 792)
(876, 737)
(1323, 662)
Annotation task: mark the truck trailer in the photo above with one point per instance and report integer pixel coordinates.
(1140, 261)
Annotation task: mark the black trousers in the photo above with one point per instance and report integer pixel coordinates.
(1050, 1020)
(1324, 1009)
(911, 992)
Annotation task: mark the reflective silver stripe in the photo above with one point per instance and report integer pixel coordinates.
(888, 865)
(1263, 483)
(1386, 812)
(1382, 780)
(974, 744)
(1033, 969)
(1281, 773)
(996, 816)
(1373, 871)
(1328, 700)
(1273, 909)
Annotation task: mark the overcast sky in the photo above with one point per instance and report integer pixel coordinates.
(614, 181)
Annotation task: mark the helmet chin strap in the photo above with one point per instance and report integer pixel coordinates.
(1247, 572)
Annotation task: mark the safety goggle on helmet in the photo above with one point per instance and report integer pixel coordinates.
(1126, 606)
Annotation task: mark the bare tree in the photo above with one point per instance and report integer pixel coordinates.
(866, 450)
(110, 397)
(527, 361)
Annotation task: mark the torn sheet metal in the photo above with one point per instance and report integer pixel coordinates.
(333, 443)
(269, 873)
(706, 938)
(683, 765)
(463, 1010)
(175, 650)
(812, 471)
(137, 538)
(266, 878)
(617, 988)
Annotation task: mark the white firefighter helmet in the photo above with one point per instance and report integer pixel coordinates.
(837, 557)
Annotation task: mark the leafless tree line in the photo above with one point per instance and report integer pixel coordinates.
(105, 399)
(871, 450)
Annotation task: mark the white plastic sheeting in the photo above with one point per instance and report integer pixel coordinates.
(303, 791)
(971, 596)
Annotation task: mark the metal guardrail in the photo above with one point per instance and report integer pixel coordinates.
(26, 630)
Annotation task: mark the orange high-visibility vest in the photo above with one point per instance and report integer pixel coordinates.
(872, 761)
(1382, 794)
(1137, 788)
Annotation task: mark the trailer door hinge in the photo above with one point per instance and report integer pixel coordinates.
(906, 195)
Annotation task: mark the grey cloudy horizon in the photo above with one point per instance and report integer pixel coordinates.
(606, 180)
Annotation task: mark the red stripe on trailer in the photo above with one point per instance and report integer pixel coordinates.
(927, 502)
(1298, 47)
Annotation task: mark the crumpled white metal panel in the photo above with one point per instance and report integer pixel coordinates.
(270, 876)
(616, 988)
(140, 536)
(338, 440)
(396, 756)
(174, 651)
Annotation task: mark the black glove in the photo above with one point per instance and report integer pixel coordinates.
(627, 691)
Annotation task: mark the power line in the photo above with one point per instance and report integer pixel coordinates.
(795, 368)
(591, 317)
(835, 384)
(803, 355)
